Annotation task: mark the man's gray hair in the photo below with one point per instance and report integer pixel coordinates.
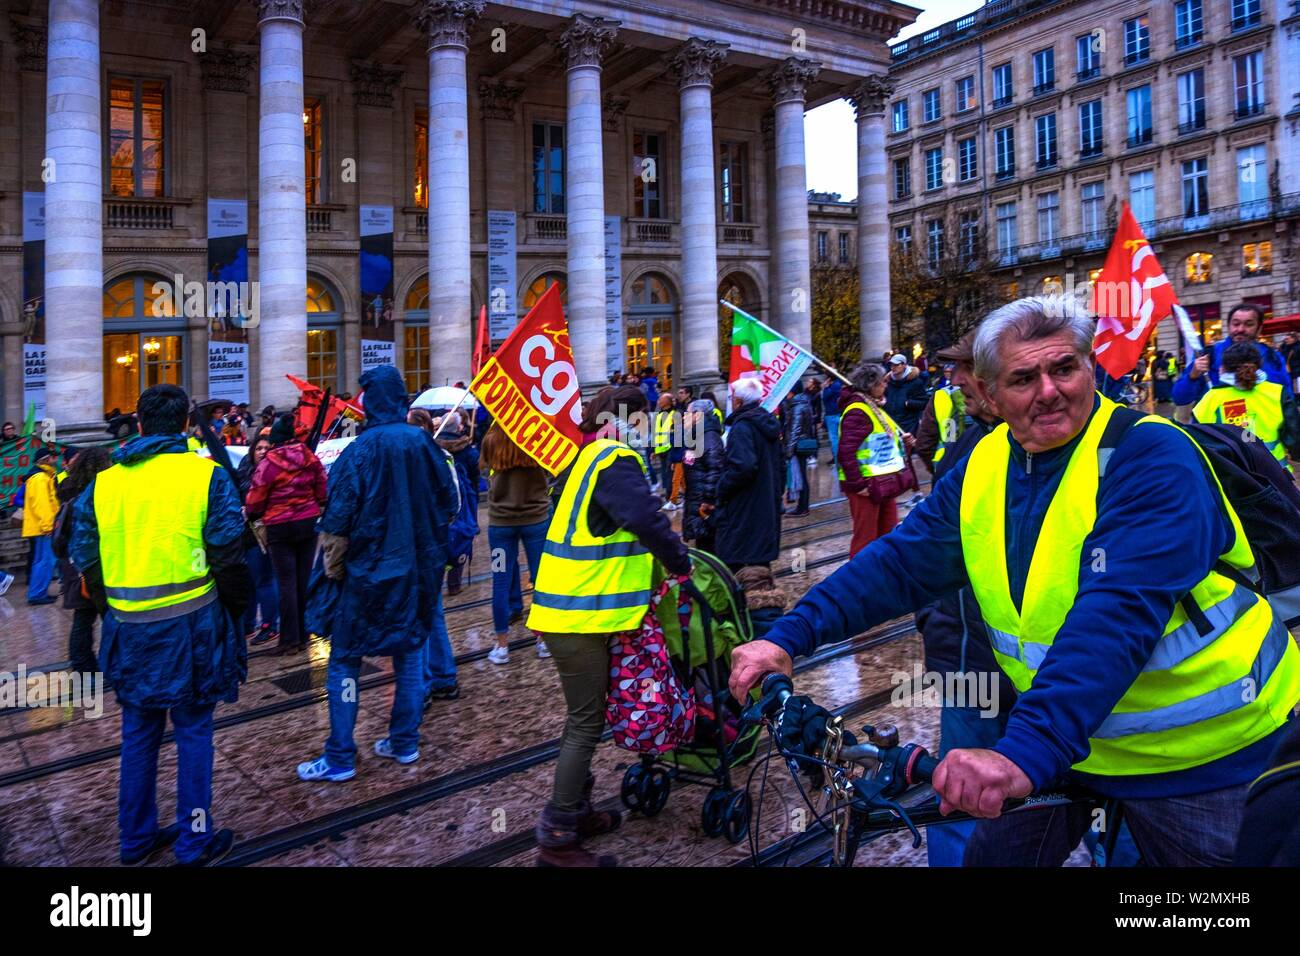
(747, 389)
(1034, 317)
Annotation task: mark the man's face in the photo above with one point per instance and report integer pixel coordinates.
(963, 376)
(1044, 391)
(898, 369)
(1243, 326)
(9, 432)
(683, 395)
(1246, 376)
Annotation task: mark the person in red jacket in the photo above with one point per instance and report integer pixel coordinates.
(287, 493)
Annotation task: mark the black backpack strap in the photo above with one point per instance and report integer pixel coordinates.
(1121, 420)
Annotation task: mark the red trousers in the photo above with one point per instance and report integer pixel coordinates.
(870, 520)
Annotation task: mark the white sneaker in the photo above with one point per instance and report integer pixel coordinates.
(499, 655)
(6, 579)
(542, 650)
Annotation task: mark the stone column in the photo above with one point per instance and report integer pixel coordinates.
(695, 62)
(281, 205)
(869, 98)
(793, 306)
(448, 23)
(584, 43)
(74, 204)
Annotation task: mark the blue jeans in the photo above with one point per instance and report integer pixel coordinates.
(137, 804)
(38, 585)
(833, 431)
(1199, 830)
(438, 660)
(960, 728)
(267, 594)
(507, 594)
(344, 699)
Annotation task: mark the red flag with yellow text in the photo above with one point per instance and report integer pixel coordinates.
(530, 386)
(1130, 296)
(482, 346)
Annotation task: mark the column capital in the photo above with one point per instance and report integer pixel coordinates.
(585, 40)
(291, 10)
(498, 99)
(696, 60)
(448, 22)
(30, 35)
(373, 84)
(612, 108)
(226, 70)
(789, 79)
(869, 95)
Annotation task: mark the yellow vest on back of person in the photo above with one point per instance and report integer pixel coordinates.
(1258, 410)
(663, 432)
(1202, 694)
(882, 452)
(588, 584)
(948, 419)
(150, 516)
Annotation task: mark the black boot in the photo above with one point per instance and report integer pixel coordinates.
(559, 842)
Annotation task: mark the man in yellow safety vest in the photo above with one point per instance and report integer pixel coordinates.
(159, 542)
(1244, 399)
(1143, 668)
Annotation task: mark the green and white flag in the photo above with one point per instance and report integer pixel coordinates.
(758, 351)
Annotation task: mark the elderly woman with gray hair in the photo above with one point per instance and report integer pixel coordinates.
(871, 457)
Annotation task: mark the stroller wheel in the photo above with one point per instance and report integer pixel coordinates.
(652, 789)
(630, 792)
(713, 813)
(735, 821)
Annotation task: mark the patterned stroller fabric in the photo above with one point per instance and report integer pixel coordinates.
(648, 710)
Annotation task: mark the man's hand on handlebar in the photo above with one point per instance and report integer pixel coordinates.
(751, 662)
(978, 782)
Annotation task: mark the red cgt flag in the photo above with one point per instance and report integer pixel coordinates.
(530, 386)
(1130, 296)
(482, 344)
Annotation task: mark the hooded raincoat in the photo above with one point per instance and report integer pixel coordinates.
(391, 495)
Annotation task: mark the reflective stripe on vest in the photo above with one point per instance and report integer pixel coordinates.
(150, 516)
(945, 412)
(588, 584)
(1257, 410)
(881, 453)
(1203, 693)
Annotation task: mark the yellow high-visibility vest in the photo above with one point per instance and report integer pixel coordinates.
(882, 452)
(151, 516)
(949, 417)
(588, 584)
(663, 432)
(1258, 410)
(1199, 696)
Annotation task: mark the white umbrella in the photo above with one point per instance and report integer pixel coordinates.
(445, 396)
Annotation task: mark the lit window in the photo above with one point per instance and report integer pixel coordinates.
(319, 298)
(541, 284)
(1257, 258)
(135, 137)
(313, 154)
(420, 193)
(1200, 267)
(1052, 285)
(415, 357)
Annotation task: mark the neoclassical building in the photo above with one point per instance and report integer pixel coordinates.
(378, 170)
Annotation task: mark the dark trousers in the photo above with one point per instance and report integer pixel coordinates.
(259, 566)
(1199, 830)
(81, 639)
(292, 545)
(803, 482)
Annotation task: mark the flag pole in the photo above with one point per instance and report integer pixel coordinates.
(763, 324)
(447, 415)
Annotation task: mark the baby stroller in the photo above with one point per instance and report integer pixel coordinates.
(712, 618)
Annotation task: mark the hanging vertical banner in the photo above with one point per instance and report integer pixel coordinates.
(613, 294)
(377, 340)
(501, 238)
(232, 300)
(34, 302)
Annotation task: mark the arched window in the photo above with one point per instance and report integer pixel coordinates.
(648, 338)
(1200, 268)
(541, 284)
(144, 341)
(738, 289)
(415, 339)
(323, 331)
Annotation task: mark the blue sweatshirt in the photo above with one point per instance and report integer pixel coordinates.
(1118, 615)
(1188, 390)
